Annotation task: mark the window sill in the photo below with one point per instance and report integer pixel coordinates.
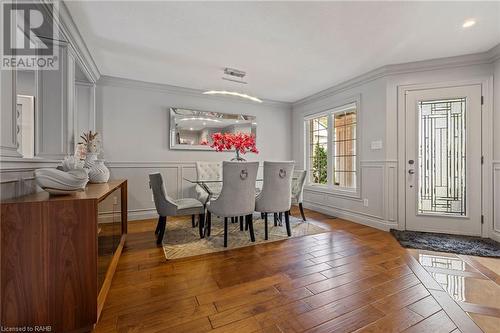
(339, 192)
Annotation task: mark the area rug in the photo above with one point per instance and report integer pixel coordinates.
(475, 246)
(181, 240)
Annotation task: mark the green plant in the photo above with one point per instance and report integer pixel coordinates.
(319, 165)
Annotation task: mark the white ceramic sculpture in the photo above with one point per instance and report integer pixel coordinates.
(98, 173)
(61, 182)
(71, 163)
(90, 160)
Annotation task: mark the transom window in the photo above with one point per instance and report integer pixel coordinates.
(331, 139)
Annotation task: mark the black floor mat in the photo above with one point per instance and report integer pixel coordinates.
(475, 246)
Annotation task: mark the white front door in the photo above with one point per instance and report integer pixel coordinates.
(443, 160)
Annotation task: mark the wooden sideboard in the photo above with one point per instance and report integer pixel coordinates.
(58, 256)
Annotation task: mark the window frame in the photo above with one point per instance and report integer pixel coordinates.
(330, 187)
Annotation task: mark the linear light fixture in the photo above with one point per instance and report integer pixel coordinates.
(232, 93)
(469, 23)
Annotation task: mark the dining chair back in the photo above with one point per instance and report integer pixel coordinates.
(208, 171)
(275, 195)
(237, 197)
(166, 206)
(299, 179)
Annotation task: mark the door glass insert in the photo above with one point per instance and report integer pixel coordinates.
(442, 157)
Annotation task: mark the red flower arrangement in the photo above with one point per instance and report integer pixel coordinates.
(242, 143)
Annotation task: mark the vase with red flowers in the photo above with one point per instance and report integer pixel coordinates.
(241, 143)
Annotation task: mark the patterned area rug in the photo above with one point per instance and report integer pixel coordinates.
(181, 240)
(475, 246)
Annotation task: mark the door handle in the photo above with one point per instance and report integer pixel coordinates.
(411, 171)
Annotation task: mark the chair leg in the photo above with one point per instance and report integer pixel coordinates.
(158, 226)
(209, 223)
(250, 227)
(225, 231)
(193, 224)
(280, 219)
(287, 223)
(302, 211)
(201, 225)
(275, 219)
(262, 215)
(266, 233)
(163, 223)
(246, 223)
(241, 223)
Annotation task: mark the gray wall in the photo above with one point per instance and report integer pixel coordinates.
(378, 203)
(134, 120)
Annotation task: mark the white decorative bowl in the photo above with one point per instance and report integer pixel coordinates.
(60, 182)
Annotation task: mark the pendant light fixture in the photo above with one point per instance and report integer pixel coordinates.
(235, 75)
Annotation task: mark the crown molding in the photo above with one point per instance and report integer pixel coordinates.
(75, 39)
(487, 57)
(108, 80)
(494, 53)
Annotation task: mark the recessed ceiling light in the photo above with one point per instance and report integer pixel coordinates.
(191, 129)
(469, 23)
(232, 93)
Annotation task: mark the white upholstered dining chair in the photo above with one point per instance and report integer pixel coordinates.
(166, 206)
(208, 171)
(275, 195)
(237, 197)
(299, 179)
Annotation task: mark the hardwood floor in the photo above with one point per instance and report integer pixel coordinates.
(354, 278)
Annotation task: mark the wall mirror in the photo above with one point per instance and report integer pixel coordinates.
(193, 129)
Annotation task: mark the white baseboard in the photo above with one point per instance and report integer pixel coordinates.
(142, 214)
(356, 218)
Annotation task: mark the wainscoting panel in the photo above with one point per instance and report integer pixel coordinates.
(140, 197)
(496, 197)
(17, 179)
(377, 204)
(391, 176)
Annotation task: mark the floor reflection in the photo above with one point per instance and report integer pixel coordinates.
(454, 284)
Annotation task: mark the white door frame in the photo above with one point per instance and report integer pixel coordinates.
(487, 146)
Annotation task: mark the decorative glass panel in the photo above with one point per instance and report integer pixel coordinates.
(318, 147)
(442, 157)
(344, 145)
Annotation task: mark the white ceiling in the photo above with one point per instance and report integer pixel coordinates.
(290, 50)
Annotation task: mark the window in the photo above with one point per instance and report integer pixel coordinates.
(331, 139)
(319, 149)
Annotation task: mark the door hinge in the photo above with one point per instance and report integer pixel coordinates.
(482, 100)
(482, 219)
(482, 159)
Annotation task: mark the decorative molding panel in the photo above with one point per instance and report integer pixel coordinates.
(381, 211)
(496, 197)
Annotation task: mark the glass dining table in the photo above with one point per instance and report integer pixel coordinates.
(211, 186)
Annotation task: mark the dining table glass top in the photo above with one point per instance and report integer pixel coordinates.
(205, 181)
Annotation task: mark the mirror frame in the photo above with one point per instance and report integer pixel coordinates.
(171, 136)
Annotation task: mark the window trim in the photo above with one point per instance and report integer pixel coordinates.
(339, 106)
